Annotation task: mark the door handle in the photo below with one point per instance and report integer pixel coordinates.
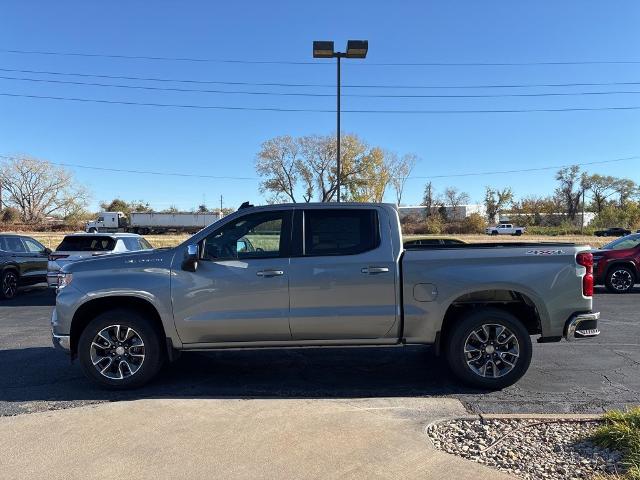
(374, 270)
(269, 273)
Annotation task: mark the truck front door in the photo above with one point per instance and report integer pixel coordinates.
(240, 290)
(342, 276)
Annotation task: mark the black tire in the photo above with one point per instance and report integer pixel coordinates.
(518, 233)
(9, 284)
(93, 230)
(463, 330)
(154, 354)
(620, 279)
(494, 232)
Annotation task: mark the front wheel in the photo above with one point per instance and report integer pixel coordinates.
(9, 284)
(120, 349)
(489, 349)
(620, 280)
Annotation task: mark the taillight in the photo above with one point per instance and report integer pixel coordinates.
(586, 260)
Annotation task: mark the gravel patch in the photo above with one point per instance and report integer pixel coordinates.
(530, 449)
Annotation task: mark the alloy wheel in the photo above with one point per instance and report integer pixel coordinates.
(621, 280)
(9, 284)
(491, 351)
(117, 352)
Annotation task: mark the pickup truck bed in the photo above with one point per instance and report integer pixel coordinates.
(322, 275)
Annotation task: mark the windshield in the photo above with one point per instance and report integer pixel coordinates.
(86, 244)
(630, 241)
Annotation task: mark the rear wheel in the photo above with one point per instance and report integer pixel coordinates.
(489, 349)
(93, 230)
(620, 279)
(9, 284)
(494, 232)
(120, 349)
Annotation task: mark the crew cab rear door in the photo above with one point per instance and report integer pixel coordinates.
(342, 276)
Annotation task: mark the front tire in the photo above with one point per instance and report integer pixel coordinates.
(120, 349)
(93, 230)
(488, 349)
(620, 280)
(9, 284)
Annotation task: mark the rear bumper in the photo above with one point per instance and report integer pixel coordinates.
(582, 325)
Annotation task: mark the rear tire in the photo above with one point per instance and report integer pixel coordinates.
(93, 230)
(120, 349)
(488, 349)
(620, 279)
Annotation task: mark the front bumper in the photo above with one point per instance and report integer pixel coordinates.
(61, 342)
(52, 279)
(582, 325)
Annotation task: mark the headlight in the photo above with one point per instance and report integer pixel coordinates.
(64, 279)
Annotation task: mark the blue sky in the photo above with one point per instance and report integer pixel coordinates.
(224, 143)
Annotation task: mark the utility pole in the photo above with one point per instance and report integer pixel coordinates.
(220, 206)
(582, 224)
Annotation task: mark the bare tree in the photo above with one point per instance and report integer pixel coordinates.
(277, 161)
(454, 197)
(39, 189)
(495, 200)
(399, 169)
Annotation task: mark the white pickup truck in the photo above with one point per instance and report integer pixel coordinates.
(322, 275)
(505, 229)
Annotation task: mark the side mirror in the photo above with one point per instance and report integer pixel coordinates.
(47, 251)
(190, 262)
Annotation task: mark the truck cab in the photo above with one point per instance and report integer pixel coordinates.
(107, 222)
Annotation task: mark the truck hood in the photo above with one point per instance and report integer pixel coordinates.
(158, 258)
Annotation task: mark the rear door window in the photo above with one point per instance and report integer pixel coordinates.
(86, 244)
(340, 231)
(13, 244)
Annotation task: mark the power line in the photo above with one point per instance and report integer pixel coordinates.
(524, 170)
(453, 175)
(298, 94)
(287, 62)
(321, 85)
(309, 110)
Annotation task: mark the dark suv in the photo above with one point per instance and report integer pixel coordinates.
(617, 264)
(23, 261)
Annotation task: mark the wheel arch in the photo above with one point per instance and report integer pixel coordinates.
(624, 263)
(90, 309)
(513, 301)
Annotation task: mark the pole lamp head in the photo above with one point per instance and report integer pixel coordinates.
(357, 48)
(323, 49)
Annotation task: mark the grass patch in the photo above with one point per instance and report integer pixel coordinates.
(621, 431)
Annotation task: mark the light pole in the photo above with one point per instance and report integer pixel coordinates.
(324, 49)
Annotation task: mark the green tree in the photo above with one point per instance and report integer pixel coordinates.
(496, 200)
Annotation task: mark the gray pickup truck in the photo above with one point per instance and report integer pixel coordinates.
(322, 275)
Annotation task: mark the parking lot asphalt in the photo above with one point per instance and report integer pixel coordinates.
(582, 377)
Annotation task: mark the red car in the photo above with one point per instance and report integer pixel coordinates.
(617, 264)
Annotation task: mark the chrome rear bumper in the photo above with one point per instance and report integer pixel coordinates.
(582, 325)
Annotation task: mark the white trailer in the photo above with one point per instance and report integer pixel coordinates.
(151, 222)
(154, 222)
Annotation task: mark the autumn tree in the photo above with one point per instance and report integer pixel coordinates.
(38, 189)
(304, 168)
(120, 205)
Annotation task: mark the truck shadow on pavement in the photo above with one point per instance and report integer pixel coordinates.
(41, 374)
